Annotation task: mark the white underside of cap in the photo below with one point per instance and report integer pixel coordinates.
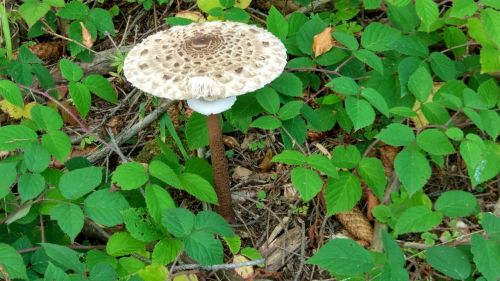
(207, 107)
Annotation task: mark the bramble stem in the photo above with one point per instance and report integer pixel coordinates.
(220, 168)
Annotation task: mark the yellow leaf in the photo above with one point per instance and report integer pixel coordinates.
(15, 112)
(191, 15)
(323, 42)
(242, 4)
(245, 272)
(186, 277)
(420, 120)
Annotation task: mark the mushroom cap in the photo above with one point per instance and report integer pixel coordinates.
(210, 60)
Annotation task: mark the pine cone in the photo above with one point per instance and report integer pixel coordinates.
(356, 223)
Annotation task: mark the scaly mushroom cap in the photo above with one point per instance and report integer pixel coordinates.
(209, 61)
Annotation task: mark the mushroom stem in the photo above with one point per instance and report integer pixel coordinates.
(220, 168)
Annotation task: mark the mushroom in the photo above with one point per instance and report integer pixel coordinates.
(208, 64)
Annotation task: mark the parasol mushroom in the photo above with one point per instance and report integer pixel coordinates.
(208, 64)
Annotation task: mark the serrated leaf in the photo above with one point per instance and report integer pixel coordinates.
(157, 200)
(342, 194)
(376, 100)
(202, 247)
(77, 183)
(420, 84)
(36, 157)
(268, 99)
(462, 9)
(450, 261)
(346, 39)
(456, 203)
(346, 156)
(67, 258)
(288, 84)
(307, 182)
(397, 135)
(290, 110)
(428, 12)
(166, 250)
(322, 164)
(266, 122)
(10, 91)
(70, 70)
(164, 173)
(486, 255)
(373, 174)
(178, 221)
(104, 207)
(130, 175)
(122, 243)
(417, 219)
(30, 186)
(13, 137)
(198, 187)
(360, 112)
(74, 10)
(58, 144)
(33, 10)
(277, 24)
(46, 118)
(343, 257)
(100, 87)
(344, 85)
(435, 142)
(413, 170)
(212, 222)
(140, 226)
(12, 262)
(197, 130)
(370, 59)
(378, 37)
(443, 66)
(290, 157)
(69, 217)
(81, 97)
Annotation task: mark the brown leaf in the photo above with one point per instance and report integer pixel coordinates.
(245, 272)
(87, 39)
(266, 163)
(323, 42)
(46, 50)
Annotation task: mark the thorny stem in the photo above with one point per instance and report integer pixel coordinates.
(220, 168)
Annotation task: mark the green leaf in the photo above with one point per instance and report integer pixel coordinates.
(491, 3)
(202, 247)
(306, 33)
(46, 118)
(343, 257)
(178, 221)
(344, 85)
(346, 156)
(58, 144)
(462, 9)
(413, 170)
(420, 84)
(13, 137)
(10, 91)
(455, 134)
(130, 175)
(166, 250)
(491, 22)
(397, 135)
(321, 119)
(288, 84)
(157, 200)
(266, 122)
(486, 256)
(307, 182)
(198, 187)
(69, 217)
(102, 272)
(290, 157)
(164, 173)
(212, 222)
(347, 40)
(443, 66)
(102, 20)
(342, 194)
(456, 203)
(428, 12)
(435, 113)
(373, 174)
(76, 183)
(411, 46)
(70, 70)
(370, 59)
(30, 186)
(301, 62)
(395, 257)
(290, 110)
(100, 87)
(36, 158)
(376, 100)
(197, 131)
(403, 111)
(489, 92)
(491, 225)
(490, 121)
(322, 164)
(65, 257)
(277, 24)
(33, 10)
(360, 112)
(53, 272)
(268, 99)
(140, 226)
(450, 261)
(81, 97)
(435, 142)
(12, 262)
(378, 37)
(104, 207)
(9, 176)
(122, 243)
(454, 37)
(489, 59)
(74, 10)
(481, 159)
(417, 219)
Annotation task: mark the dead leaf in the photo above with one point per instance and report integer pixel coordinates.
(230, 141)
(87, 39)
(245, 272)
(241, 173)
(266, 163)
(323, 42)
(66, 117)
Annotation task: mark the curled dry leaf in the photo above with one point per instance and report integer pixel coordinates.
(266, 163)
(47, 50)
(241, 173)
(356, 223)
(87, 39)
(245, 272)
(230, 141)
(323, 42)
(290, 193)
(191, 15)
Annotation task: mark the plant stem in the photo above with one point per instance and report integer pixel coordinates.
(220, 168)
(6, 30)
